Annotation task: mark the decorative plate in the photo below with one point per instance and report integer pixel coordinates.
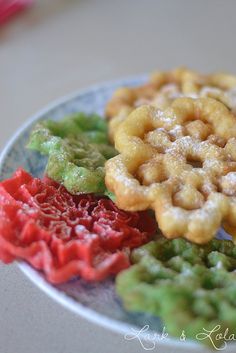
(97, 302)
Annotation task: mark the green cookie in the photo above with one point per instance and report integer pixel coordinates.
(77, 148)
(190, 287)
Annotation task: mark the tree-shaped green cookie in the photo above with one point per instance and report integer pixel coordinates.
(77, 149)
(190, 287)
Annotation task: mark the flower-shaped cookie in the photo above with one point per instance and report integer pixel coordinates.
(164, 87)
(191, 287)
(180, 162)
(77, 148)
(66, 235)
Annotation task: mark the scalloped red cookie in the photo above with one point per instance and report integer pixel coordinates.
(65, 235)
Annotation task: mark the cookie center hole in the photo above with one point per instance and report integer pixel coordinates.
(194, 162)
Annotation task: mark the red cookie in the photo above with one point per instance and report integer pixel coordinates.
(65, 235)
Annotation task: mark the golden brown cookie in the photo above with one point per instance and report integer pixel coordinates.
(164, 87)
(180, 162)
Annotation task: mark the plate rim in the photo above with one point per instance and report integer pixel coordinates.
(91, 315)
(119, 327)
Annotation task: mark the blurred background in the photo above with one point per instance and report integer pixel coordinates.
(55, 47)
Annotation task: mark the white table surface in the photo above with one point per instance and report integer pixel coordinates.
(61, 46)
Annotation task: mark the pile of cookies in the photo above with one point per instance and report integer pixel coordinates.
(116, 192)
(177, 152)
(176, 138)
